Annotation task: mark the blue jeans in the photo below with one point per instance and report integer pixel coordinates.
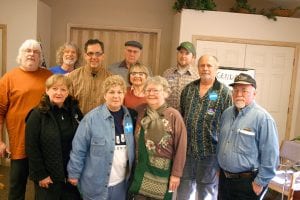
(118, 192)
(201, 174)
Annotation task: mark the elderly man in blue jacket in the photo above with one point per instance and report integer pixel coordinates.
(248, 145)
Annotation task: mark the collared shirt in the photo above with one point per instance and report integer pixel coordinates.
(177, 82)
(202, 115)
(87, 87)
(121, 69)
(247, 141)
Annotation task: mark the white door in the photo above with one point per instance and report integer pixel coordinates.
(273, 70)
(228, 54)
(273, 66)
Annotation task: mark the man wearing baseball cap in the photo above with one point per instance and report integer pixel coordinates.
(248, 145)
(181, 74)
(132, 53)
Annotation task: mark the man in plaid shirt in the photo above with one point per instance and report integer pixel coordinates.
(182, 74)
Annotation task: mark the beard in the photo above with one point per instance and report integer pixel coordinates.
(206, 77)
(239, 104)
(69, 61)
(29, 65)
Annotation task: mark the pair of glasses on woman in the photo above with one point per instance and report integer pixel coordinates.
(137, 73)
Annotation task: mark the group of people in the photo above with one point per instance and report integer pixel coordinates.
(92, 132)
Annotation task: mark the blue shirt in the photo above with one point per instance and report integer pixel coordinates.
(57, 70)
(248, 140)
(93, 149)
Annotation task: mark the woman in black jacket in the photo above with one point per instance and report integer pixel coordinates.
(50, 128)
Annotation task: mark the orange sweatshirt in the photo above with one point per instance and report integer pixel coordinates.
(20, 91)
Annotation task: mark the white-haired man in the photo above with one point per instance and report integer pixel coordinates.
(248, 145)
(20, 90)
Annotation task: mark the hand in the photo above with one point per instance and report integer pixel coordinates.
(257, 189)
(45, 182)
(3, 149)
(73, 181)
(174, 183)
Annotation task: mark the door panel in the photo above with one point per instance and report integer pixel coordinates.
(273, 67)
(228, 54)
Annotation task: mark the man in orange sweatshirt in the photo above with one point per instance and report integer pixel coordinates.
(20, 91)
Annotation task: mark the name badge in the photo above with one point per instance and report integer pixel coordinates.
(213, 96)
(211, 111)
(128, 128)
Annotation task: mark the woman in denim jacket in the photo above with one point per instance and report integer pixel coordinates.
(103, 147)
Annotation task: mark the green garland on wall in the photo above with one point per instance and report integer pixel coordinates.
(194, 4)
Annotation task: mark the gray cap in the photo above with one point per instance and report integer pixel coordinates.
(134, 43)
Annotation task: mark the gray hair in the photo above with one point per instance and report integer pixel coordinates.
(214, 63)
(158, 80)
(60, 53)
(29, 44)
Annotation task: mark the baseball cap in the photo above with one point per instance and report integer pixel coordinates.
(244, 79)
(188, 46)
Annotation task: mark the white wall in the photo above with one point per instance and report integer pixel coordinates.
(21, 20)
(242, 26)
(44, 29)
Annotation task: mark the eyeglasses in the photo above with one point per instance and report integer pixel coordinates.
(34, 51)
(97, 54)
(154, 91)
(137, 73)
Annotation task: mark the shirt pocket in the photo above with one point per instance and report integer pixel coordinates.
(98, 146)
(245, 142)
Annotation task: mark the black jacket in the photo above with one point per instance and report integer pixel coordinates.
(43, 139)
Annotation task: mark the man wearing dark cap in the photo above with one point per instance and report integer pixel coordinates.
(248, 145)
(182, 74)
(132, 53)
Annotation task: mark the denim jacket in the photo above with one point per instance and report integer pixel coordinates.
(93, 149)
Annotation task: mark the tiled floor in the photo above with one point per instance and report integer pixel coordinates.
(4, 179)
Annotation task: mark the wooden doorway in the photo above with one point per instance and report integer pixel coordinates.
(114, 39)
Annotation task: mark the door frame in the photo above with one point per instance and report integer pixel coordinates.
(3, 31)
(293, 102)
